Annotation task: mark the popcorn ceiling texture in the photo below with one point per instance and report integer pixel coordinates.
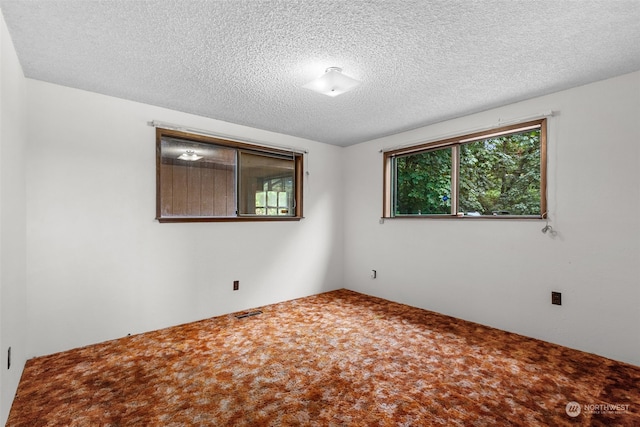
(245, 62)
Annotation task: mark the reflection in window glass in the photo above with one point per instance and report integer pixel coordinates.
(283, 199)
(197, 179)
(201, 178)
(266, 185)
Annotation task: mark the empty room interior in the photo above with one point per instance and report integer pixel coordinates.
(320, 213)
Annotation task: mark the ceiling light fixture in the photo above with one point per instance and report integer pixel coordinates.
(332, 83)
(190, 156)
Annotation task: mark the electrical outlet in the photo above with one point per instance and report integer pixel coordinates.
(236, 285)
(556, 298)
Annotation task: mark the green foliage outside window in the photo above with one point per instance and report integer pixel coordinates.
(424, 183)
(497, 176)
(501, 175)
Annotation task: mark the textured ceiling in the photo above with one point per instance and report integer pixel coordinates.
(245, 62)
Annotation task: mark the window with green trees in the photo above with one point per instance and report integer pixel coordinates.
(496, 173)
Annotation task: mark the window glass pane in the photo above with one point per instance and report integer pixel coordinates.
(423, 183)
(283, 199)
(272, 199)
(266, 185)
(197, 180)
(501, 176)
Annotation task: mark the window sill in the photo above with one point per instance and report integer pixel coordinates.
(175, 219)
(468, 217)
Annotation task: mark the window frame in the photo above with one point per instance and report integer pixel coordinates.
(455, 143)
(298, 161)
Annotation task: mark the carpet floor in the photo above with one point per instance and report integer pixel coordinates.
(335, 359)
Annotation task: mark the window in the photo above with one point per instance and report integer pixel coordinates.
(496, 173)
(201, 178)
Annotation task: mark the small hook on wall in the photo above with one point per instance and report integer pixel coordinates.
(549, 229)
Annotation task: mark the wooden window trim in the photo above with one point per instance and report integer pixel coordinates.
(457, 141)
(298, 177)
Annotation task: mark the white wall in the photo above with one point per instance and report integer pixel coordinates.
(12, 220)
(501, 273)
(100, 266)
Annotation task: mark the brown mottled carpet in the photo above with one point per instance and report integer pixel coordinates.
(334, 359)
